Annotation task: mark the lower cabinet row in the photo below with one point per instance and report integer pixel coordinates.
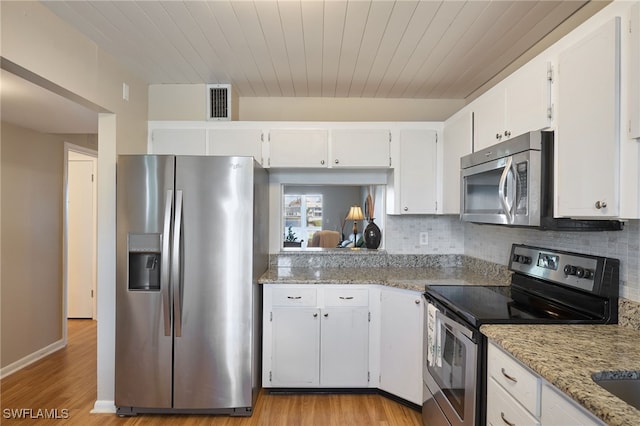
(517, 395)
(343, 336)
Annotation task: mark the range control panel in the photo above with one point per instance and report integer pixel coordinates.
(581, 271)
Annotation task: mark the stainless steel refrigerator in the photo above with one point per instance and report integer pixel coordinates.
(191, 244)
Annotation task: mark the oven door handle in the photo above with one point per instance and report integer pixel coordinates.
(454, 326)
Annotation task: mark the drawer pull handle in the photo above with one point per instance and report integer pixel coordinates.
(505, 420)
(294, 297)
(346, 297)
(513, 379)
(326, 315)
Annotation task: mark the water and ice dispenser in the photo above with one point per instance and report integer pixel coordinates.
(145, 261)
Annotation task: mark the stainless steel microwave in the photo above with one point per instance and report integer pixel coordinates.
(511, 183)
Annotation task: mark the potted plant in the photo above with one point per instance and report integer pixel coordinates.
(290, 239)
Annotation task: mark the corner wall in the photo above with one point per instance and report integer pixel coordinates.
(36, 40)
(32, 167)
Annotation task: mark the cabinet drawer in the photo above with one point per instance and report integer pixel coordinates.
(346, 297)
(502, 409)
(294, 296)
(515, 378)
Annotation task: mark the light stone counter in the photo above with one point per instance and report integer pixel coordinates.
(376, 267)
(406, 278)
(567, 356)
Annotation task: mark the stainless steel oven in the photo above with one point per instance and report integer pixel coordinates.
(450, 357)
(547, 287)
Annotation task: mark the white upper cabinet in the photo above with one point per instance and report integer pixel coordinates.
(588, 125)
(298, 148)
(456, 142)
(178, 141)
(418, 171)
(518, 105)
(241, 142)
(360, 148)
(634, 81)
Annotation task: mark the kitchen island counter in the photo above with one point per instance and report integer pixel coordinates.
(568, 356)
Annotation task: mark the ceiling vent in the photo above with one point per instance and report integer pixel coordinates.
(218, 101)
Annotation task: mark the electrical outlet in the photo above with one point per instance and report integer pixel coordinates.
(424, 238)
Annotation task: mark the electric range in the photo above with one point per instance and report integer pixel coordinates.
(547, 287)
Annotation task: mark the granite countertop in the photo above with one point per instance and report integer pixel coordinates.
(412, 278)
(567, 356)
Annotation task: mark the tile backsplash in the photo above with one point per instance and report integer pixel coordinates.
(447, 235)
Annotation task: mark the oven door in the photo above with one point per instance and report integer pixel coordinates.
(450, 375)
(503, 191)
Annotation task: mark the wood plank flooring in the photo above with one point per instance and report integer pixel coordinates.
(66, 380)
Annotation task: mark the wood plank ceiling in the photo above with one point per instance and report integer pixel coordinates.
(302, 48)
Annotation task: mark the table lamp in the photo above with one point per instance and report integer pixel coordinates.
(355, 214)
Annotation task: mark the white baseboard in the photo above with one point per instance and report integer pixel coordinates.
(104, 407)
(31, 358)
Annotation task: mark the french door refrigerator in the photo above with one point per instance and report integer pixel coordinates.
(191, 244)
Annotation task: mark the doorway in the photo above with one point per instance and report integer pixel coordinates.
(80, 231)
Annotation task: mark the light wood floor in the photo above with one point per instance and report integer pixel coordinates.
(67, 380)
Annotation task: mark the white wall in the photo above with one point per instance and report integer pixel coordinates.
(169, 102)
(37, 41)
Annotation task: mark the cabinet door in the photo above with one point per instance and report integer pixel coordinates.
(298, 148)
(242, 142)
(528, 100)
(558, 410)
(489, 119)
(456, 143)
(588, 126)
(360, 148)
(344, 359)
(401, 344)
(178, 142)
(295, 347)
(418, 171)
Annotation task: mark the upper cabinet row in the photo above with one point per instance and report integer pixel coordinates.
(585, 90)
(277, 147)
(409, 150)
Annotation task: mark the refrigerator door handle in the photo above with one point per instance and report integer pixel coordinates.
(164, 278)
(175, 266)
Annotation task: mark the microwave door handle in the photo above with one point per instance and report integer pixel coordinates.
(501, 192)
(514, 203)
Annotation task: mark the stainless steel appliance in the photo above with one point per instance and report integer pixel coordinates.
(192, 236)
(511, 183)
(547, 286)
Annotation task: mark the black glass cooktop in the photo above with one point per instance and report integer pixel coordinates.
(500, 305)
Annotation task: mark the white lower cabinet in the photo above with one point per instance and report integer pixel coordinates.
(315, 336)
(401, 343)
(518, 396)
(558, 410)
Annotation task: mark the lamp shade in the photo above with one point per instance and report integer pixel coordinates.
(355, 213)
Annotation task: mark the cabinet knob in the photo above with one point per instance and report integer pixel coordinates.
(315, 315)
(337, 161)
(326, 315)
(406, 209)
(601, 204)
(417, 301)
(507, 133)
(322, 162)
(498, 136)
